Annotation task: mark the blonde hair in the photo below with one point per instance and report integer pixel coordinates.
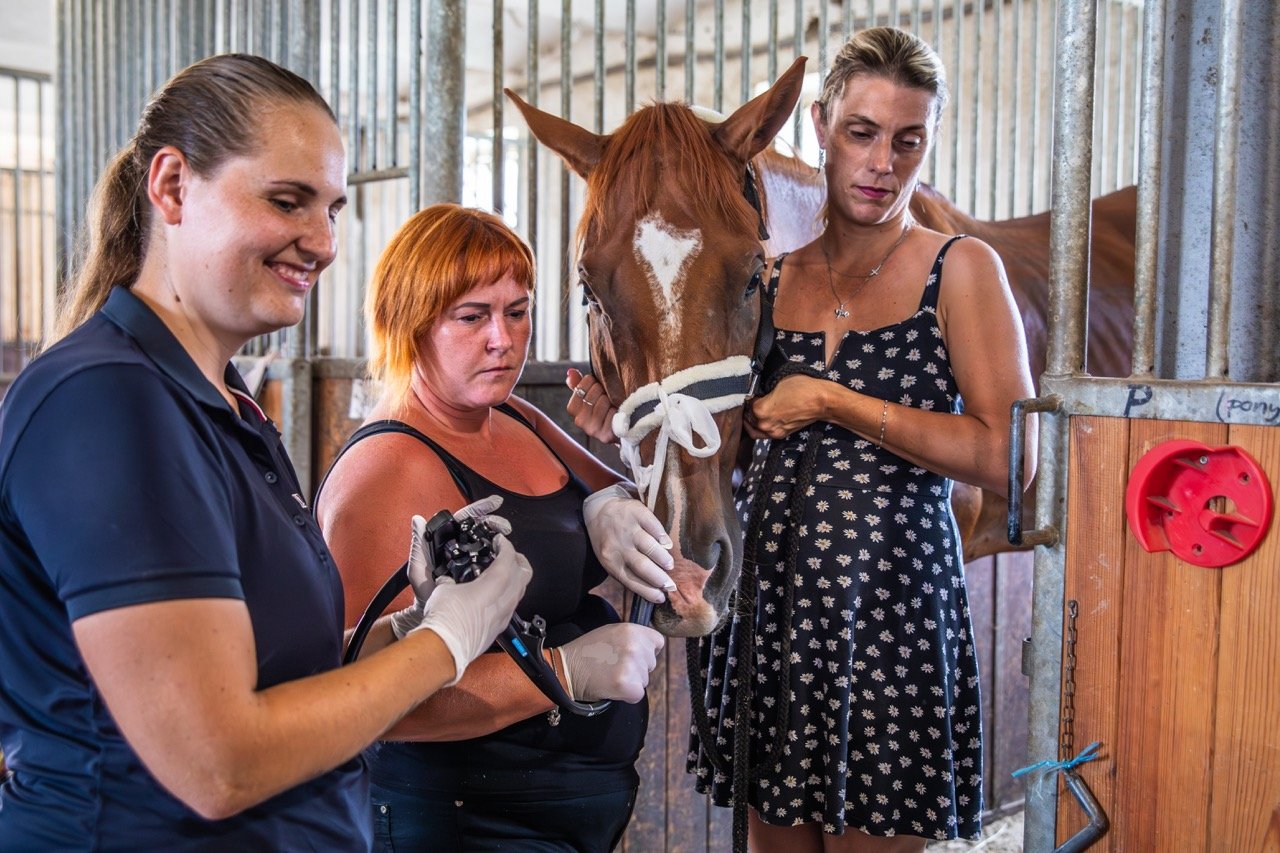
(893, 54)
(209, 111)
(441, 253)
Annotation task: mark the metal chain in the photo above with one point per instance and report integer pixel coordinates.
(1066, 746)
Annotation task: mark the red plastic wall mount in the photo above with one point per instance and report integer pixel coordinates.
(1210, 506)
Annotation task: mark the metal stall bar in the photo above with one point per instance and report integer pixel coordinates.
(222, 13)
(994, 142)
(262, 20)
(717, 101)
(17, 334)
(353, 88)
(1033, 177)
(443, 103)
(532, 85)
(370, 141)
(957, 87)
(65, 167)
(415, 98)
(630, 72)
(690, 52)
(566, 106)
(975, 127)
(111, 61)
(333, 95)
(242, 22)
(937, 45)
(1015, 123)
(48, 272)
(499, 162)
(771, 49)
(824, 35)
(1150, 138)
(16, 247)
(1226, 147)
(393, 85)
(1102, 129)
(798, 36)
(1068, 289)
(1116, 152)
(598, 56)
(744, 64)
(660, 50)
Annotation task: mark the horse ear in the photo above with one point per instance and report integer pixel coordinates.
(579, 148)
(754, 125)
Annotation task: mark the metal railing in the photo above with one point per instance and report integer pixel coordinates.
(27, 256)
(417, 88)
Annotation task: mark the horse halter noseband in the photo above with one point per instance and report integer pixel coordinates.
(681, 406)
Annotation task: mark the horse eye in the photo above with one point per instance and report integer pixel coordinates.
(588, 298)
(753, 285)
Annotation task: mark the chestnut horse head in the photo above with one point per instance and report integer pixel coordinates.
(670, 260)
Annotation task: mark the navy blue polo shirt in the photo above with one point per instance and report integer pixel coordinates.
(126, 478)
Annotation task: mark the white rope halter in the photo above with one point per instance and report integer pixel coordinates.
(681, 407)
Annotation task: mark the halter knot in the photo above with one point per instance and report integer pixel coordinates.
(680, 407)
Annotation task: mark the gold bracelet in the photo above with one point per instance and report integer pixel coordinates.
(884, 419)
(553, 716)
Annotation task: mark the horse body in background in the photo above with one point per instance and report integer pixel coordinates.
(670, 259)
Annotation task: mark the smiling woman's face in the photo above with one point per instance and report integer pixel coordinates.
(473, 354)
(253, 237)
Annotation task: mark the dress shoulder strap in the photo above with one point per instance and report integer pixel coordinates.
(771, 287)
(929, 299)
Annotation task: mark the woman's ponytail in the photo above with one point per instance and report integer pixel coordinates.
(112, 241)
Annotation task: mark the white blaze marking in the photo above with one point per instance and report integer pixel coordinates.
(665, 252)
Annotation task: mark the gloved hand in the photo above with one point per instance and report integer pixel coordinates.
(629, 541)
(404, 621)
(611, 662)
(468, 616)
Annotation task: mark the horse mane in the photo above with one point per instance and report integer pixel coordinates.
(664, 144)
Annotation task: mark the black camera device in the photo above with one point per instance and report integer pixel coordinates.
(462, 549)
(459, 548)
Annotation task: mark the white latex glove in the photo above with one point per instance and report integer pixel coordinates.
(630, 542)
(611, 662)
(469, 616)
(404, 621)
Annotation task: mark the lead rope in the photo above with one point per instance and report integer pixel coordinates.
(739, 767)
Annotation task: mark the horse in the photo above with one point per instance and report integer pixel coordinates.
(671, 251)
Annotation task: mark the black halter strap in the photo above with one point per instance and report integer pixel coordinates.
(752, 195)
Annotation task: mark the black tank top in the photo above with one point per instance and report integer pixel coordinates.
(530, 759)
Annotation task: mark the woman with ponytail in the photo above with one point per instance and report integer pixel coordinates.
(173, 618)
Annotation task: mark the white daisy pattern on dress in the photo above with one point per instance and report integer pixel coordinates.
(882, 729)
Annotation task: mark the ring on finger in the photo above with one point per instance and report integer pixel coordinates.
(580, 393)
(587, 402)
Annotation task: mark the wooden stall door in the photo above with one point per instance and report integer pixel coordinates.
(1177, 666)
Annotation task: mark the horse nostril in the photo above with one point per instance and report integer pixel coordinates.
(713, 556)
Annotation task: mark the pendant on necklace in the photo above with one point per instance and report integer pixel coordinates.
(840, 312)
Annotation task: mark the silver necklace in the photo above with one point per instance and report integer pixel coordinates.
(841, 312)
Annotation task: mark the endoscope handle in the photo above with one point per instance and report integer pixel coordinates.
(523, 641)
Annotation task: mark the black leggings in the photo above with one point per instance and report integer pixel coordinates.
(420, 821)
